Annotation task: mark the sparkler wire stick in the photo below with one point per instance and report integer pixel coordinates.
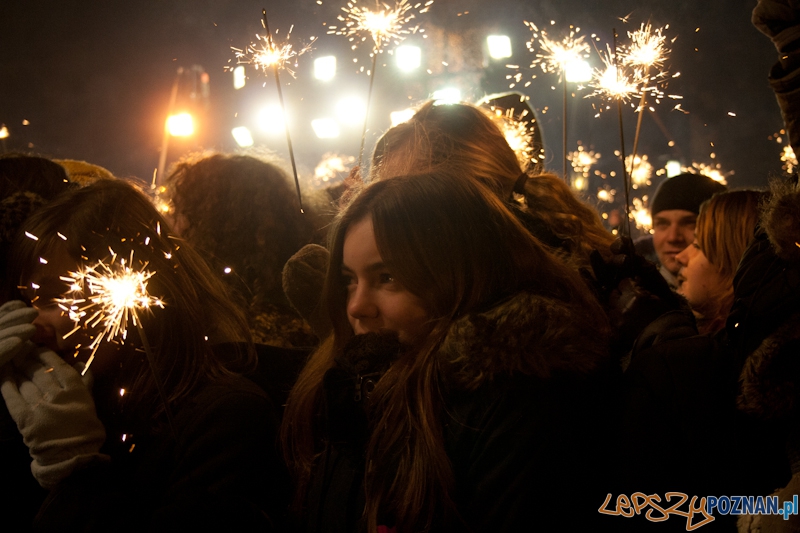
(366, 116)
(564, 139)
(625, 180)
(283, 107)
(638, 129)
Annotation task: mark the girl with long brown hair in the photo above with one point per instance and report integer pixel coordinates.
(172, 435)
(452, 391)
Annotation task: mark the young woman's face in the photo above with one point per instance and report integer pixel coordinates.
(375, 300)
(698, 280)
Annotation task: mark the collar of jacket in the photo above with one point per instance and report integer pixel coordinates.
(525, 334)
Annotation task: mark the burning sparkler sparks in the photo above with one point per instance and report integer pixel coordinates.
(647, 49)
(384, 23)
(640, 170)
(712, 171)
(641, 215)
(611, 82)
(518, 132)
(789, 159)
(555, 56)
(330, 167)
(264, 55)
(582, 160)
(107, 295)
(606, 195)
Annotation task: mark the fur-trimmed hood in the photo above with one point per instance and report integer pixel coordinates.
(780, 218)
(527, 334)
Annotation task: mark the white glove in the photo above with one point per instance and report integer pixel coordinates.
(15, 328)
(55, 413)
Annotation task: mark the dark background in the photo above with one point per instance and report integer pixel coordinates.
(93, 78)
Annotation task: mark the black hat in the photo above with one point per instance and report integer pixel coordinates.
(684, 191)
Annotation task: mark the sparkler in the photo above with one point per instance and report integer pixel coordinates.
(331, 166)
(625, 177)
(264, 55)
(641, 214)
(555, 56)
(626, 75)
(384, 24)
(612, 83)
(110, 295)
(712, 171)
(274, 57)
(789, 159)
(646, 51)
(606, 195)
(582, 160)
(641, 172)
(518, 133)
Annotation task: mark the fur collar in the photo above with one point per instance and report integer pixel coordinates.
(780, 218)
(768, 379)
(527, 334)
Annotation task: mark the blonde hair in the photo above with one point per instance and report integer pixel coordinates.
(725, 226)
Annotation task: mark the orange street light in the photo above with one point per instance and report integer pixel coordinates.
(180, 125)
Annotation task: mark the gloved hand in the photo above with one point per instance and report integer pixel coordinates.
(55, 414)
(633, 292)
(780, 21)
(15, 328)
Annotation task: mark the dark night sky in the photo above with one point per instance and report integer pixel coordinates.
(93, 78)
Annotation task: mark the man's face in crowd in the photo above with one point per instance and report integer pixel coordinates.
(673, 230)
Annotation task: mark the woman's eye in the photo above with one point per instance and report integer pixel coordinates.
(347, 280)
(386, 278)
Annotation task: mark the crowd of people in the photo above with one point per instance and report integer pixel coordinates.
(451, 340)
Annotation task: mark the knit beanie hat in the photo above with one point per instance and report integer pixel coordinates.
(684, 191)
(83, 173)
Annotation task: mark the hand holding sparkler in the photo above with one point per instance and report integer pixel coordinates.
(55, 413)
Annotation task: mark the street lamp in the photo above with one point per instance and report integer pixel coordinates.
(180, 125)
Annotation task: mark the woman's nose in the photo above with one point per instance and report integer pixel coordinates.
(360, 303)
(682, 258)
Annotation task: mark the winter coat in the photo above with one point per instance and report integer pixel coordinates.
(524, 419)
(219, 470)
(764, 325)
